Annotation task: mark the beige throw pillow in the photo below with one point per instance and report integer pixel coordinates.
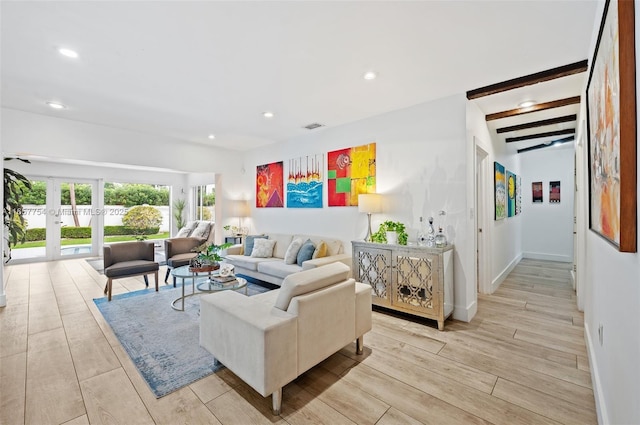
(292, 252)
(263, 248)
(320, 251)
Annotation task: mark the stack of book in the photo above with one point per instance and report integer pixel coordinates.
(223, 280)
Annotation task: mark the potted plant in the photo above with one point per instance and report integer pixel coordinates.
(15, 187)
(208, 257)
(385, 233)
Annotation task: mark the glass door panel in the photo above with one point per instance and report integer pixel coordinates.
(74, 219)
(34, 212)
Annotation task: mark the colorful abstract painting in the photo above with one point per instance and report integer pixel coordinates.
(611, 123)
(269, 185)
(518, 195)
(500, 191)
(304, 182)
(536, 192)
(511, 194)
(554, 192)
(350, 172)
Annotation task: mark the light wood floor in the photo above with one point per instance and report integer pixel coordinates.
(522, 360)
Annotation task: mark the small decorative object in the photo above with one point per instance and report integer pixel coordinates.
(422, 234)
(226, 270)
(208, 258)
(431, 234)
(441, 239)
(382, 235)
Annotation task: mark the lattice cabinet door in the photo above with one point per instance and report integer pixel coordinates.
(373, 266)
(416, 285)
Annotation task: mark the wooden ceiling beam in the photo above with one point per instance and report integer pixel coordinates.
(540, 135)
(527, 80)
(546, 145)
(534, 124)
(535, 108)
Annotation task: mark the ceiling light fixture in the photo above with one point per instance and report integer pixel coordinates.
(527, 103)
(68, 53)
(268, 114)
(212, 136)
(369, 75)
(56, 105)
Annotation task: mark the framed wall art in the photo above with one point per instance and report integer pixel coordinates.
(350, 172)
(304, 181)
(518, 195)
(269, 185)
(511, 194)
(611, 124)
(554, 192)
(536, 192)
(500, 191)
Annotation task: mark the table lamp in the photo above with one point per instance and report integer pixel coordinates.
(369, 203)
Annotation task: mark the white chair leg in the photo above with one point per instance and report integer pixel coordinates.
(360, 345)
(276, 401)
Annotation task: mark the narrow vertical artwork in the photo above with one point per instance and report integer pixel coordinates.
(511, 194)
(554, 192)
(518, 195)
(536, 192)
(269, 185)
(350, 172)
(304, 182)
(500, 191)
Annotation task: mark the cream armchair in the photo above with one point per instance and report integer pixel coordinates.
(268, 340)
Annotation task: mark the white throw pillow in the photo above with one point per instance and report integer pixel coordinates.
(292, 252)
(263, 248)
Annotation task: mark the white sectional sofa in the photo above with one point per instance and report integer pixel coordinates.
(270, 339)
(274, 269)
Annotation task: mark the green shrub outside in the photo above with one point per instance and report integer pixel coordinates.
(40, 233)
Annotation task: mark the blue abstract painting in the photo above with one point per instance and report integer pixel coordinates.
(304, 182)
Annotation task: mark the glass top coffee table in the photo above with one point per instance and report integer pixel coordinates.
(204, 282)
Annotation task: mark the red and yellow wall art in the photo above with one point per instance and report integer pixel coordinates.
(350, 171)
(269, 185)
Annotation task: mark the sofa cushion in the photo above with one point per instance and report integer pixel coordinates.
(187, 229)
(249, 241)
(202, 230)
(292, 251)
(248, 263)
(278, 268)
(263, 248)
(126, 268)
(306, 252)
(321, 250)
(283, 241)
(309, 281)
(180, 259)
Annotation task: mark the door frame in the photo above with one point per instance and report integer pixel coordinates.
(482, 243)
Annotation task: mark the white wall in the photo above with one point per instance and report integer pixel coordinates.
(547, 228)
(505, 235)
(610, 282)
(421, 169)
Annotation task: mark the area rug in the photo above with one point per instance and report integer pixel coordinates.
(162, 342)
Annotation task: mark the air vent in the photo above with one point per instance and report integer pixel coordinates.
(313, 126)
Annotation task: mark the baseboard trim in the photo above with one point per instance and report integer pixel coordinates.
(465, 314)
(495, 284)
(601, 405)
(3, 300)
(547, 257)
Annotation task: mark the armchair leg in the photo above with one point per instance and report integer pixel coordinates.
(360, 345)
(109, 282)
(276, 401)
(156, 276)
(146, 281)
(166, 276)
(174, 282)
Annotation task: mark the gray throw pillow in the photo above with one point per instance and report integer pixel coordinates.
(306, 252)
(249, 241)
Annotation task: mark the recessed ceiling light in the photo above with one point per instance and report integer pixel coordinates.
(212, 136)
(68, 53)
(268, 114)
(56, 105)
(370, 75)
(527, 103)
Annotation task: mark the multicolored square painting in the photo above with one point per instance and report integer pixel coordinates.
(269, 187)
(518, 195)
(536, 192)
(351, 171)
(304, 182)
(554, 192)
(511, 194)
(500, 191)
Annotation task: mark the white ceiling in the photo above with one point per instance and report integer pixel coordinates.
(188, 69)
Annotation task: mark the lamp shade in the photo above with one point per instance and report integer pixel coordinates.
(369, 203)
(239, 208)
